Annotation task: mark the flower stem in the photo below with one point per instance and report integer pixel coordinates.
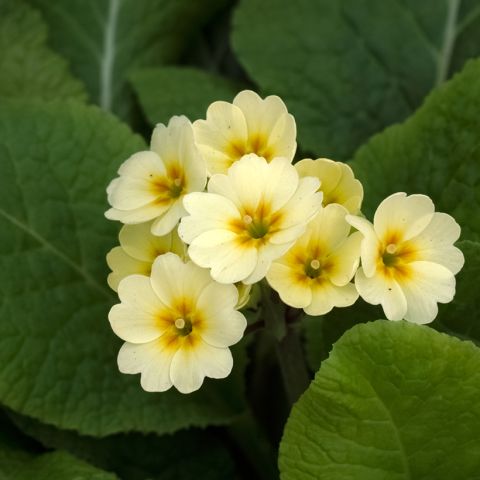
(292, 363)
(281, 322)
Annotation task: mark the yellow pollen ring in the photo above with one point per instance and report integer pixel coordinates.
(177, 182)
(180, 323)
(315, 264)
(247, 219)
(391, 248)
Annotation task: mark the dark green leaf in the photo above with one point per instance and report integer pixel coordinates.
(168, 91)
(28, 68)
(106, 39)
(348, 68)
(57, 351)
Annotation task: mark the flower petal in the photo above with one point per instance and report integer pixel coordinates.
(123, 265)
(293, 289)
(380, 290)
(325, 296)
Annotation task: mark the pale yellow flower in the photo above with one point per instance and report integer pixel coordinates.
(151, 184)
(315, 273)
(137, 251)
(248, 125)
(177, 324)
(337, 182)
(248, 218)
(408, 258)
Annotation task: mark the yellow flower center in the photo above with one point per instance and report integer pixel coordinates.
(170, 186)
(255, 143)
(256, 225)
(395, 255)
(184, 326)
(313, 269)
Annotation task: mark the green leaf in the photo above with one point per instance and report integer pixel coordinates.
(394, 401)
(348, 68)
(198, 454)
(322, 332)
(57, 351)
(29, 68)
(436, 152)
(19, 464)
(168, 91)
(462, 316)
(106, 39)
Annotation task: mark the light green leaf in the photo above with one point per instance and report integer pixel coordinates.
(168, 91)
(436, 152)
(462, 316)
(394, 401)
(106, 39)
(57, 351)
(348, 68)
(185, 455)
(28, 68)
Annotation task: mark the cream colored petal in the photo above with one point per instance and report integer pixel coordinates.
(208, 211)
(138, 215)
(379, 290)
(169, 220)
(215, 362)
(131, 193)
(174, 280)
(186, 372)
(406, 214)
(349, 191)
(223, 325)
(304, 204)
(123, 265)
(287, 235)
(345, 260)
(138, 241)
(229, 261)
(222, 185)
(135, 319)
(282, 138)
(435, 242)
(429, 283)
(326, 296)
(248, 178)
(141, 165)
(370, 245)
(294, 292)
(218, 161)
(152, 360)
(281, 184)
(168, 141)
(224, 330)
(327, 171)
(330, 227)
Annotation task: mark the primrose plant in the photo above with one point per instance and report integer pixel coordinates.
(217, 206)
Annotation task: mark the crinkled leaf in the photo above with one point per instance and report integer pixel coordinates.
(168, 91)
(436, 152)
(106, 39)
(198, 454)
(348, 68)
(28, 67)
(57, 351)
(394, 400)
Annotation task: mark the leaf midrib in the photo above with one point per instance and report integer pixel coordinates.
(58, 253)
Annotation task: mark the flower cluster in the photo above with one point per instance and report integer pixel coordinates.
(218, 205)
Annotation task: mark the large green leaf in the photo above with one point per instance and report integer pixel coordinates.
(19, 464)
(198, 454)
(57, 352)
(28, 68)
(436, 152)
(394, 401)
(106, 39)
(348, 68)
(164, 92)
